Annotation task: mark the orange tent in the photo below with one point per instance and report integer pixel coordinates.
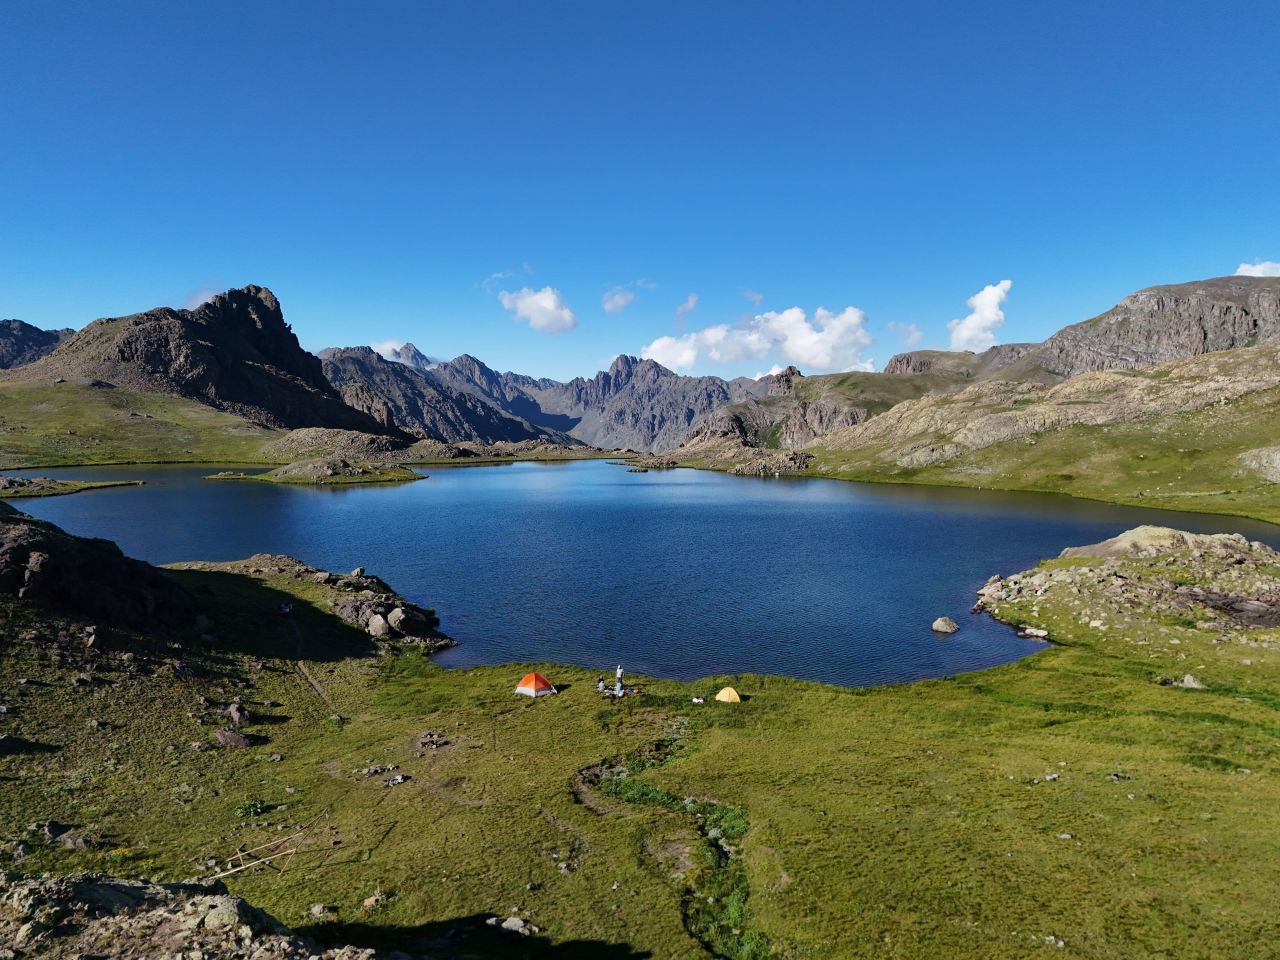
(535, 685)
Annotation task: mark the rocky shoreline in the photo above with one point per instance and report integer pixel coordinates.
(13, 488)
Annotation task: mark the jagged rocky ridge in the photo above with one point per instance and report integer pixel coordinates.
(780, 419)
(21, 343)
(234, 352)
(411, 357)
(635, 404)
(1147, 327)
(398, 395)
(1018, 390)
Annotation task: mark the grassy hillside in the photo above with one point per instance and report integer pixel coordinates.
(876, 392)
(1181, 461)
(1070, 797)
(58, 424)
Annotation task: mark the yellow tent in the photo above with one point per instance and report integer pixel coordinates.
(728, 695)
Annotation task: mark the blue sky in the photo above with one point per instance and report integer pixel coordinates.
(479, 177)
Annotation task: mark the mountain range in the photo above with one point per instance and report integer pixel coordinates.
(237, 354)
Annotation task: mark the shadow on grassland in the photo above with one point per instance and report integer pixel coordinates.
(467, 938)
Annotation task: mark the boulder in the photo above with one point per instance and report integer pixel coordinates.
(945, 625)
(232, 738)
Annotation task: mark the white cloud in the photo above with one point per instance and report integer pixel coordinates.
(198, 298)
(833, 341)
(498, 276)
(775, 369)
(755, 297)
(617, 299)
(977, 331)
(620, 296)
(674, 353)
(386, 348)
(909, 333)
(543, 309)
(686, 308)
(1262, 268)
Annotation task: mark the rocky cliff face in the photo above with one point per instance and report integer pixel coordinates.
(21, 343)
(235, 353)
(962, 364)
(1145, 328)
(635, 404)
(1163, 323)
(940, 427)
(399, 396)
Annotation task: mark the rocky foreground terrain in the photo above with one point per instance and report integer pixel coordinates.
(1147, 585)
(1032, 807)
(88, 915)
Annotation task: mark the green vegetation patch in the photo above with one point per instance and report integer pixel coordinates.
(62, 424)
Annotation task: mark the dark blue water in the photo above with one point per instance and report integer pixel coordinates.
(678, 574)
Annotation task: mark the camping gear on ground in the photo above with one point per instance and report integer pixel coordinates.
(728, 695)
(535, 685)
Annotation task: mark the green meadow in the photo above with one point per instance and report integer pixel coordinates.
(1069, 803)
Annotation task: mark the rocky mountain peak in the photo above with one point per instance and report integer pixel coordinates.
(259, 302)
(21, 343)
(234, 352)
(782, 383)
(411, 356)
(624, 367)
(1165, 322)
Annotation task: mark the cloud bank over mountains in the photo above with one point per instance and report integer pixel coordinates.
(1259, 268)
(829, 342)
